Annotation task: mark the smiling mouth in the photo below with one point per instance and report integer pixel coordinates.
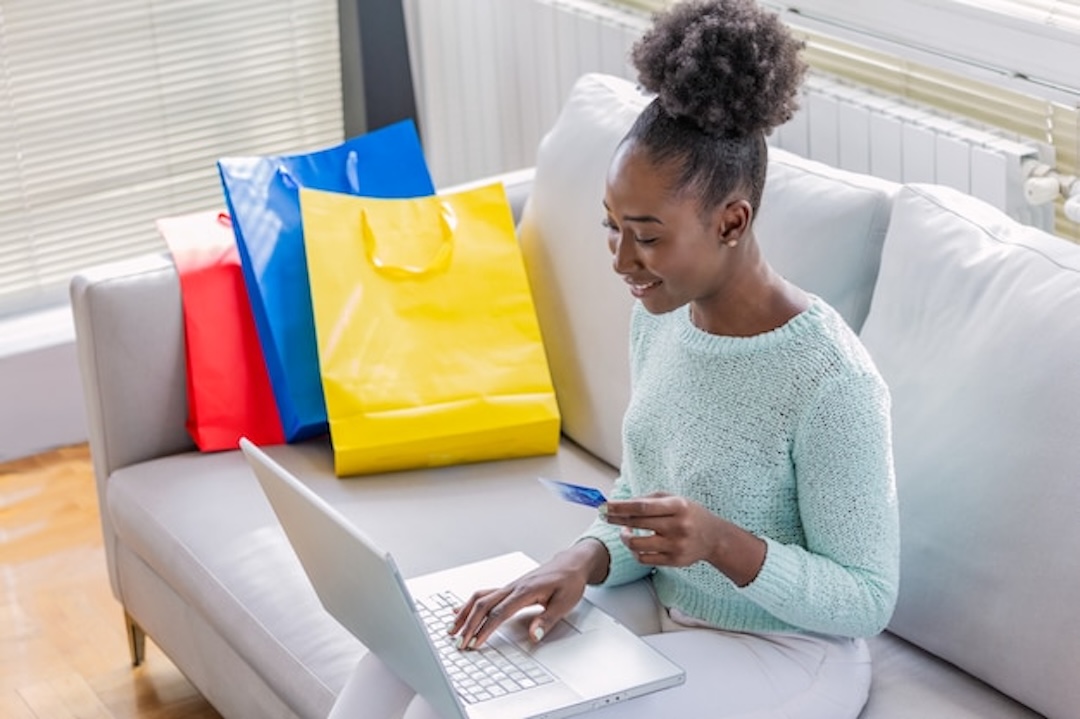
(637, 289)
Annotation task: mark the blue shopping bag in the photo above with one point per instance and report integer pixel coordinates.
(262, 194)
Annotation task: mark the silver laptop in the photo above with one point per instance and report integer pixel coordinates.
(587, 661)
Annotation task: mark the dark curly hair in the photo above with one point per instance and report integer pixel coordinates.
(725, 73)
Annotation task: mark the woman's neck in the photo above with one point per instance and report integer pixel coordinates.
(758, 300)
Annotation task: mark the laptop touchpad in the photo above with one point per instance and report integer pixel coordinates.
(516, 628)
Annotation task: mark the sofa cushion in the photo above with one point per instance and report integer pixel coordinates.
(823, 229)
(975, 325)
(819, 226)
(909, 683)
(584, 314)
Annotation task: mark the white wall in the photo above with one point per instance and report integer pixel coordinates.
(41, 400)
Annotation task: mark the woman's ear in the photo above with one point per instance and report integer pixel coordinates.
(735, 217)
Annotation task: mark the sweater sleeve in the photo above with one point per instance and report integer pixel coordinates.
(624, 567)
(845, 580)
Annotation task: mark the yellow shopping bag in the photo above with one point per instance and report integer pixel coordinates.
(428, 343)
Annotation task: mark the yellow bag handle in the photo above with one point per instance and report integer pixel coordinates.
(416, 222)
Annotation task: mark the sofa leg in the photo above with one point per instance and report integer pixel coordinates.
(136, 640)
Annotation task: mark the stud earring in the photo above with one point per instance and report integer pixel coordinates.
(731, 243)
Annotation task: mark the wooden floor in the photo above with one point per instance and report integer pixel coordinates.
(63, 649)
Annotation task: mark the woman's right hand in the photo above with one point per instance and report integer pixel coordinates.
(557, 586)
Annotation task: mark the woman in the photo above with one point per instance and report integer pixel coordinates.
(756, 491)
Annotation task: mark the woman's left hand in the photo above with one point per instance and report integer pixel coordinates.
(664, 530)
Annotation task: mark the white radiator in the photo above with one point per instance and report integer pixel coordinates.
(491, 76)
(862, 131)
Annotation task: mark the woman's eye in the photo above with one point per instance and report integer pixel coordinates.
(608, 224)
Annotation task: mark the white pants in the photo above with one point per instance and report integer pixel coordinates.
(728, 674)
(755, 676)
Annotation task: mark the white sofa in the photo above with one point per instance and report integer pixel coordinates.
(972, 319)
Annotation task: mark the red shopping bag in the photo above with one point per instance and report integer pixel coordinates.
(228, 388)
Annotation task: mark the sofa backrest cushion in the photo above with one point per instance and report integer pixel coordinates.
(975, 325)
(583, 307)
(823, 228)
(820, 227)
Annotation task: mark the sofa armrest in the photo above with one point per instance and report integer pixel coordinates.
(518, 184)
(130, 338)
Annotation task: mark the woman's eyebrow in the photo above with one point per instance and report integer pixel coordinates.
(637, 218)
(642, 218)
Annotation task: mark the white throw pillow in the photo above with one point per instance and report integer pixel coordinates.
(823, 228)
(820, 227)
(975, 325)
(582, 305)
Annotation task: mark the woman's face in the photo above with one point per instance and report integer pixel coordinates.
(666, 249)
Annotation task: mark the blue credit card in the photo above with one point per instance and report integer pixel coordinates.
(579, 494)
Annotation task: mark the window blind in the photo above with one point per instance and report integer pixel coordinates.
(114, 112)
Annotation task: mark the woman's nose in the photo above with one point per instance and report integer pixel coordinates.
(622, 254)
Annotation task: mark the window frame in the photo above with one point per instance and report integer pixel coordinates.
(954, 34)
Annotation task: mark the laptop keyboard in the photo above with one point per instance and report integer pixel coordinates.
(494, 670)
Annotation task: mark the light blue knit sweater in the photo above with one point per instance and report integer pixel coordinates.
(787, 435)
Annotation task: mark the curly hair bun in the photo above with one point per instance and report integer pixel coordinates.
(728, 66)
